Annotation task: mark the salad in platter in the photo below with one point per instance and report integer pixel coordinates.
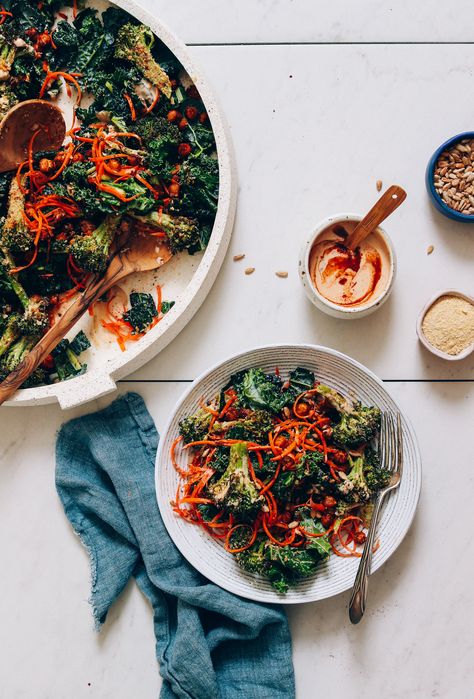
(281, 471)
(139, 158)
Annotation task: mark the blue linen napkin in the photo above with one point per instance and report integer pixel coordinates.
(210, 644)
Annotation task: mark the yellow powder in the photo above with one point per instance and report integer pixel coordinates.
(449, 324)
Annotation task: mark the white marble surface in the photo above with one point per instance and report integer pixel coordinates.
(269, 21)
(349, 116)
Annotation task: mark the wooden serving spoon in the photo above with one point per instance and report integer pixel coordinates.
(386, 205)
(140, 254)
(19, 126)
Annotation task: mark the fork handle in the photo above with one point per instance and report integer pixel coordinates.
(361, 583)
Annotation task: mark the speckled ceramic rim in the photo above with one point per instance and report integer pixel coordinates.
(313, 294)
(96, 383)
(429, 180)
(424, 341)
(336, 574)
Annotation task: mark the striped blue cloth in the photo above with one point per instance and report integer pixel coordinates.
(210, 644)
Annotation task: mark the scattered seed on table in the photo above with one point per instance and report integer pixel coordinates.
(239, 257)
(282, 274)
(250, 270)
(430, 249)
(378, 184)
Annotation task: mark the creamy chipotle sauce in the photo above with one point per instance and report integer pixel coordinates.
(345, 277)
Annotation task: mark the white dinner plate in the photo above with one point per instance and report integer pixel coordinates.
(336, 574)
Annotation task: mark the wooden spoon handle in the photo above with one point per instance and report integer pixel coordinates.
(55, 334)
(386, 205)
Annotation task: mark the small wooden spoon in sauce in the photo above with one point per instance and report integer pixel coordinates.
(21, 123)
(386, 205)
(141, 253)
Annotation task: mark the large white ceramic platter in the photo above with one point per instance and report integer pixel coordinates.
(186, 279)
(337, 574)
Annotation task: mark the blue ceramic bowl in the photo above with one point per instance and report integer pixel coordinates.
(429, 179)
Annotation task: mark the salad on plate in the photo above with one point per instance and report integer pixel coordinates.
(281, 471)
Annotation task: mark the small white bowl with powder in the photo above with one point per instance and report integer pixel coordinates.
(446, 325)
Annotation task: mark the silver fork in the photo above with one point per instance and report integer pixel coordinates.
(391, 457)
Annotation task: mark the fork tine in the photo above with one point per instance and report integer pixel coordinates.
(390, 438)
(399, 461)
(383, 439)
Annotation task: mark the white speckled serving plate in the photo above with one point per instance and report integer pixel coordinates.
(336, 574)
(186, 279)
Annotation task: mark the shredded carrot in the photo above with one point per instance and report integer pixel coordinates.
(131, 106)
(68, 77)
(151, 107)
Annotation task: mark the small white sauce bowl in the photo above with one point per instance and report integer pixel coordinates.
(422, 337)
(333, 309)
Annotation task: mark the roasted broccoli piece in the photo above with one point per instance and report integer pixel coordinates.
(357, 427)
(9, 332)
(15, 235)
(91, 252)
(66, 357)
(235, 491)
(220, 460)
(134, 44)
(157, 128)
(336, 400)
(15, 355)
(195, 427)
(182, 232)
(141, 313)
(253, 428)
(376, 476)
(354, 487)
(7, 56)
(358, 423)
(35, 319)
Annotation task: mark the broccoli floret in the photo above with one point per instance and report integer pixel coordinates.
(354, 487)
(195, 427)
(152, 128)
(13, 358)
(91, 252)
(141, 313)
(358, 423)
(15, 235)
(66, 357)
(7, 56)
(253, 428)
(220, 460)
(35, 319)
(357, 427)
(253, 559)
(10, 333)
(182, 232)
(376, 476)
(235, 491)
(134, 44)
